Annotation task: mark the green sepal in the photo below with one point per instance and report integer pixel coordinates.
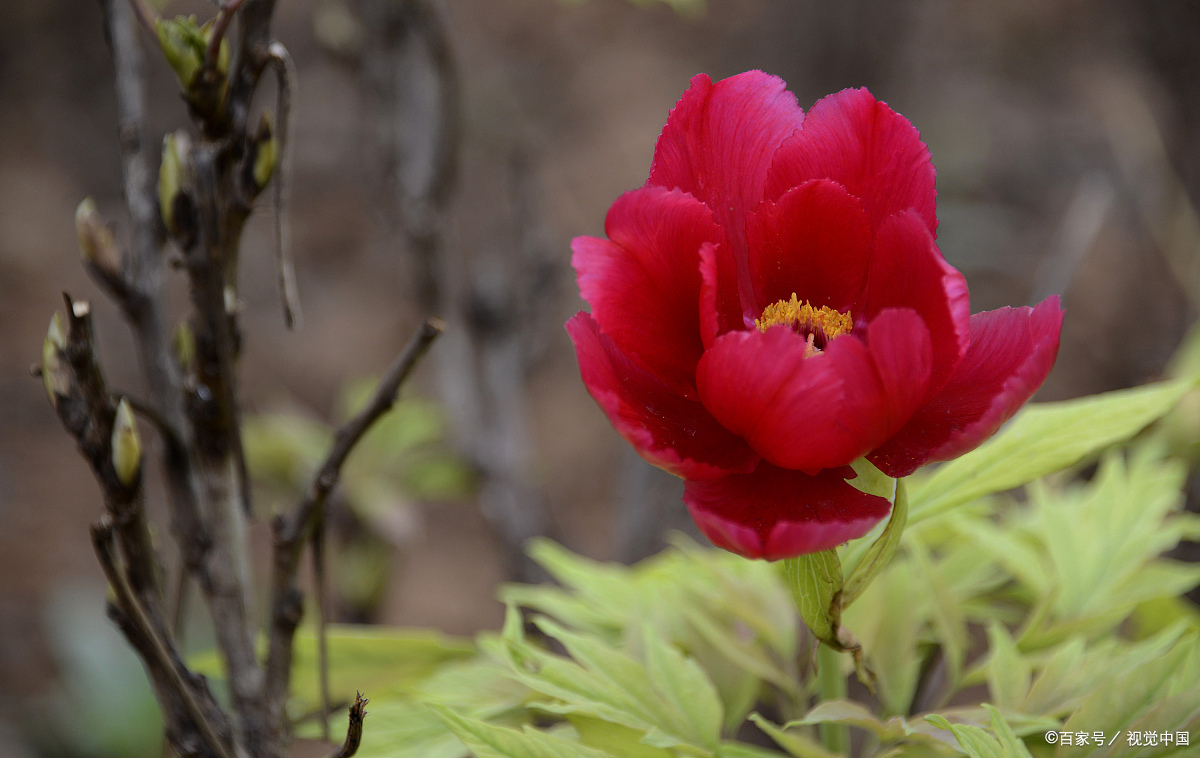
(881, 551)
(815, 581)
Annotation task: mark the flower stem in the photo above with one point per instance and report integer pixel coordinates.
(831, 685)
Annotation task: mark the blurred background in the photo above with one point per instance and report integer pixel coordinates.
(443, 156)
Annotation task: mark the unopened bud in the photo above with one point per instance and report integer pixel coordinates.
(266, 152)
(96, 241)
(184, 344)
(54, 375)
(126, 445)
(183, 44)
(170, 177)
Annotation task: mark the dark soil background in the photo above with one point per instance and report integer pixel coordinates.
(1066, 136)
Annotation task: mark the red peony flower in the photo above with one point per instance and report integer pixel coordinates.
(772, 306)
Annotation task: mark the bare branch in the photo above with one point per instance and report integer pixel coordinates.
(318, 563)
(220, 26)
(358, 712)
(292, 530)
(165, 661)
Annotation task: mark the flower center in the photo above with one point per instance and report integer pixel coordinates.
(818, 325)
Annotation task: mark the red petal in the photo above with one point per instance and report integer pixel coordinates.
(863, 144)
(908, 271)
(815, 242)
(819, 412)
(717, 145)
(643, 283)
(670, 431)
(720, 308)
(900, 349)
(1011, 353)
(774, 513)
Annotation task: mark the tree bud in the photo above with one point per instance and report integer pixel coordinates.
(126, 445)
(266, 152)
(96, 241)
(54, 375)
(170, 176)
(184, 344)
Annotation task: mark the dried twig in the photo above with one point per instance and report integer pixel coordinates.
(285, 74)
(358, 712)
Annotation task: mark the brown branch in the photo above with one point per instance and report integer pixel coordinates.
(293, 530)
(322, 592)
(220, 26)
(142, 298)
(250, 56)
(164, 659)
(358, 712)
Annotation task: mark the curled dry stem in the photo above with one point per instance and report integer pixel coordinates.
(285, 73)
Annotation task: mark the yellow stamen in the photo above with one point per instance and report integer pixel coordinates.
(823, 322)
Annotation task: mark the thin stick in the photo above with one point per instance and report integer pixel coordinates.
(179, 599)
(285, 74)
(220, 26)
(102, 540)
(358, 712)
(318, 559)
(293, 529)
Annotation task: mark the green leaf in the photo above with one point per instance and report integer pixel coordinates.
(949, 623)
(1117, 701)
(372, 659)
(490, 741)
(614, 738)
(1012, 746)
(976, 742)
(881, 550)
(888, 620)
(1007, 672)
(796, 743)
(742, 750)
(1041, 439)
(816, 584)
(685, 686)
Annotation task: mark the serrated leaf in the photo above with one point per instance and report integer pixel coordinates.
(1041, 439)
(949, 624)
(615, 738)
(1122, 699)
(1008, 672)
(976, 742)
(490, 741)
(685, 686)
(795, 743)
(1012, 746)
(816, 583)
(627, 682)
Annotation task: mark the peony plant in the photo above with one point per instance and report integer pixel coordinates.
(772, 307)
